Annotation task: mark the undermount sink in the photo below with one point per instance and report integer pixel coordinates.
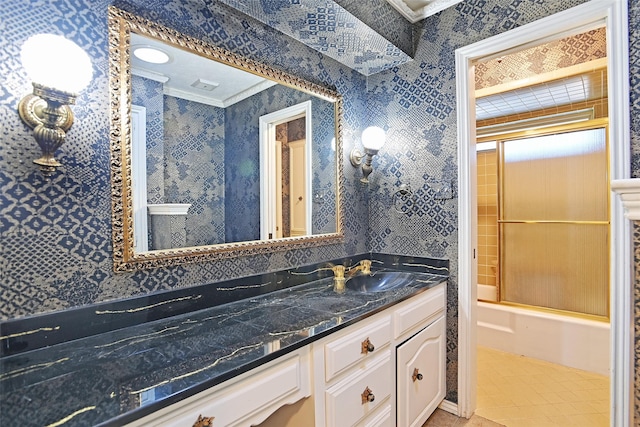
(380, 281)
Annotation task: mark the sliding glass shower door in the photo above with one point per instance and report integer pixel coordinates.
(554, 221)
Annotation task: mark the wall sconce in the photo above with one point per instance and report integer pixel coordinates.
(373, 139)
(58, 69)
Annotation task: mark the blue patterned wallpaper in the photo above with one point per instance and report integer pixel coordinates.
(329, 28)
(181, 134)
(56, 234)
(56, 241)
(194, 136)
(148, 93)
(384, 19)
(242, 159)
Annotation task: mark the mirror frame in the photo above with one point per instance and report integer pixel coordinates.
(121, 24)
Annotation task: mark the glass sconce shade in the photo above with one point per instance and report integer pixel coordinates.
(56, 62)
(59, 69)
(373, 138)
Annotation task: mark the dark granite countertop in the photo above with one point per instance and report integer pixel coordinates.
(116, 377)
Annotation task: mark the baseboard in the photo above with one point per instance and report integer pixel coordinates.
(449, 407)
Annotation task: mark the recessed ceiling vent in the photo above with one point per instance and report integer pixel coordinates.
(203, 84)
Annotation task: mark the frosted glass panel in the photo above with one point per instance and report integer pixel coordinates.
(556, 177)
(559, 266)
(559, 257)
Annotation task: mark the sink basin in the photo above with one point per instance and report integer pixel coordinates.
(380, 281)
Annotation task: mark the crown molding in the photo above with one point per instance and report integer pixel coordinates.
(629, 192)
(416, 10)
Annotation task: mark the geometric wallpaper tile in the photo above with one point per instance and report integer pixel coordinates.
(566, 52)
(331, 29)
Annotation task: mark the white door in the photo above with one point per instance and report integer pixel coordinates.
(297, 185)
(139, 177)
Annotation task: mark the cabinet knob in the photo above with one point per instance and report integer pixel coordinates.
(416, 375)
(367, 396)
(367, 346)
(203, 421)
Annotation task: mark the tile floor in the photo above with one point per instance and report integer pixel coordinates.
(442, 418)
(520, 392)
(517, 391)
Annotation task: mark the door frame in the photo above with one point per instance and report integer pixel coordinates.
(613, 14)
(268, 123)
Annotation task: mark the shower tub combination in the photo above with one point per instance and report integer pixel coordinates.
(565, 340)
(543, 216)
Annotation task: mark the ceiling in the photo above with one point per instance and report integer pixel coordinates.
(196, 78)
(564, 91)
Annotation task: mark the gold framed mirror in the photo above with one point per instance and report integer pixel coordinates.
(214, 155)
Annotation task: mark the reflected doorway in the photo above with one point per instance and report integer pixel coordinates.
(285, 203)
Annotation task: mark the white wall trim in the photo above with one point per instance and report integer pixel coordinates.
(613, 13)
(415, 10)
(629, 192)
(139, 177)
(449, 406)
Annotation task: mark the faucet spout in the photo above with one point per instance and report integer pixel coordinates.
(364, 266)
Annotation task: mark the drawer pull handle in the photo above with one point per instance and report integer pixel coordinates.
(367, 346)
(367, 396)
(203, 421)
(416, 375)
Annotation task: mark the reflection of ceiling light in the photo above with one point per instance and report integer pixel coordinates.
(152, 55)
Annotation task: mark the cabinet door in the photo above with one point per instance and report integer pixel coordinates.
(420, 373)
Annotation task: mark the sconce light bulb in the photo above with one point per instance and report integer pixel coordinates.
(56, 62)
(373, 138)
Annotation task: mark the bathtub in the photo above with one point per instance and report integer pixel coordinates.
(564, 340)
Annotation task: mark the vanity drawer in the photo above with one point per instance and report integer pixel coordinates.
(382, 418)
(248, 401)
(344, 401)
(424, 310)
(342, 353)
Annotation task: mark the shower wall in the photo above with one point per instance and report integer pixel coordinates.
(487, 218)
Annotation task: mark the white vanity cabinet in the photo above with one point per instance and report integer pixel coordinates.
(353, 373)
(420, 374)
(360, 372)
(242, 401)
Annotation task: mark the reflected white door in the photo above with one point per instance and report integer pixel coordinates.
(139, 177)
(297, 183)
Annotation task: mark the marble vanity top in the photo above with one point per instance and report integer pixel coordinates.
(115, 377)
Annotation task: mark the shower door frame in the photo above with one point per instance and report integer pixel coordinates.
(613, 14)
(599, 123)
